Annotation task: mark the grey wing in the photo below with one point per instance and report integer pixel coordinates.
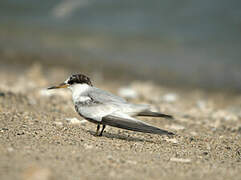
(104, 96)
(133, 124)
(121, 104)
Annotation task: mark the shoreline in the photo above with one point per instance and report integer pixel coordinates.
(110, 71)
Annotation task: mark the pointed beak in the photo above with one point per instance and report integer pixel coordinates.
(62, 85)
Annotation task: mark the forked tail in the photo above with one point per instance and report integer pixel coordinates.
(154, 114)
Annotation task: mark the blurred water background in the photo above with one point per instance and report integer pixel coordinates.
(188, 42)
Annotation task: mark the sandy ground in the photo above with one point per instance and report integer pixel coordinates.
(41, 139)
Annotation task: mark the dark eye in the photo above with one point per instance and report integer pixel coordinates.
(71, 80)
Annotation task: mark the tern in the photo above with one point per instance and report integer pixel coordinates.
(103, 108)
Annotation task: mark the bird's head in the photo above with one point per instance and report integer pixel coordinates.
(74, 80)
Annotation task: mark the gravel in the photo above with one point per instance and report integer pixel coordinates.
(37, 141)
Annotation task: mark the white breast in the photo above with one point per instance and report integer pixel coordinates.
(81, 98)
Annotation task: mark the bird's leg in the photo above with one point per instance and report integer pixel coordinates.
(97, 130)
(102, 130)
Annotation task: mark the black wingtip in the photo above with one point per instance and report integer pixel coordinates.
(167, 116)
(163, 132)
(155, 114)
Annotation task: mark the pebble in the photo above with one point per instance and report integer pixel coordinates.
(221, 114)
(87, 146)
(173, 159)
(205, 153)
(236, 129)
(131, 162)
(57, 123)
(144, 89)
(184, 119)
(83, 122)
(75, 121)
(127, 92)
(193, 133)
(175, 127)
(37, 173)
(10, 149)
(32, 101)
(113, 174)
(173, 140)
(170, 97)
(201, 104)
(110, 157)
(231, 117)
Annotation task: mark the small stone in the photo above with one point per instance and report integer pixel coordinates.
(193, 133)
(228, 148)
(32, 101)
(184, 119)
(175, 127)
(87, 146)
(83, 122)
(208, 147)
(75, 121)
(131, 162)
(20, 133)
(110, 157)
(205, 153)
(173, 159)
(112, 174)
(201, 104)
(173, 140)
(231, 117)
(191, 139)
(170, 97)
(37, 173)
(10, 149)
(220, 114)
(127, 92)
(60, 124)
(122, 161)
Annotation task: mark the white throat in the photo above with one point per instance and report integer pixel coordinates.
(78, 91)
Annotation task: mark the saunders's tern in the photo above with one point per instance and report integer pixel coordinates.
(103, 108)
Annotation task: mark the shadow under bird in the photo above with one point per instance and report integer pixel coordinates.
(103, 108)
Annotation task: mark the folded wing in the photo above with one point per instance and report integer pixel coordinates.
(103, 96)
(133, 125)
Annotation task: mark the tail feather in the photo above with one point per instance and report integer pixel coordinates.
(133, 125)
(154, 114)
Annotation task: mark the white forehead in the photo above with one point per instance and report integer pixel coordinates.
(66, 81)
